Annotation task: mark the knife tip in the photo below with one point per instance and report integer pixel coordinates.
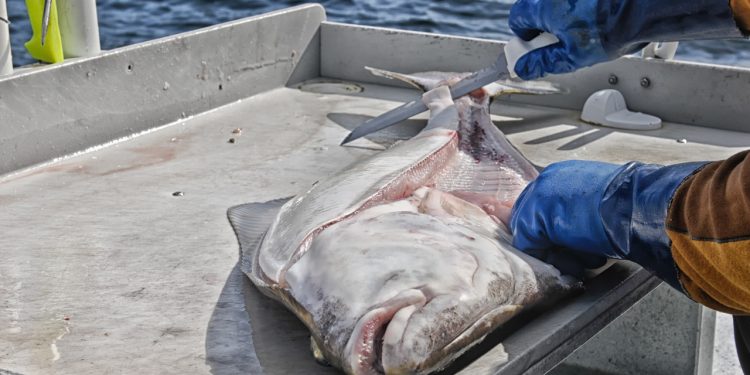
(348, 139)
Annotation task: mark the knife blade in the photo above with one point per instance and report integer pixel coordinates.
(495, 72)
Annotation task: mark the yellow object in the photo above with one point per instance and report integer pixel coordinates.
(52, 50)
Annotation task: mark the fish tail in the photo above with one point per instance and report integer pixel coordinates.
(413, 80)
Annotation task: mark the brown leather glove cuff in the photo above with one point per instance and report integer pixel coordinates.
(741, 10)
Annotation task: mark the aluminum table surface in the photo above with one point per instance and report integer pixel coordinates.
(105, 269)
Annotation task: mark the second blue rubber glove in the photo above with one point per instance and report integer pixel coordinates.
(578, 213)
(594, 31)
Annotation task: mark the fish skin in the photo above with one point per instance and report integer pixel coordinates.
(399, 265)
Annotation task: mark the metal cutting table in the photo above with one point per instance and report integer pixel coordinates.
(118, 170)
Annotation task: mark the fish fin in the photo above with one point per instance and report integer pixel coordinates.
(508, 87)
(427, 81)
(424, 81)
(412, 80)
(250, 223)
(317, 352)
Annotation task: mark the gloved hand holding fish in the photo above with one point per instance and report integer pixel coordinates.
(402, 262)
(686, 223)
(580, 212)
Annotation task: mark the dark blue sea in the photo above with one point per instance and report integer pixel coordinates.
(124, 22)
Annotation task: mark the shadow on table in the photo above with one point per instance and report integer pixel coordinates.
(250, 333)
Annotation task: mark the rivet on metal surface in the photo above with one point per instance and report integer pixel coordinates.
(232, 140)
(178, 194)
(237, 131)
(682, 141)
(613, 80)
(166, 86)
(645, 82)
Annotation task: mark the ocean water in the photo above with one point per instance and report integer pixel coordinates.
(124, 22)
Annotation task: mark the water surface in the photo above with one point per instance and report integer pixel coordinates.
(124, 22)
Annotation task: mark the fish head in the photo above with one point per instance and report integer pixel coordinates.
(417, 283)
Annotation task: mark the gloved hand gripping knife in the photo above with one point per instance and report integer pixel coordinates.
(594, 31)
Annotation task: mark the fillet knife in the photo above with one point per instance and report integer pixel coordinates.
(515, 48)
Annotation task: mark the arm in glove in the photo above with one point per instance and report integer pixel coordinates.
(597, 211)
(687, 223)
(594, 31)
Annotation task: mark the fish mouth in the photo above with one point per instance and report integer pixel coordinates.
(380, 326)
(376, 345)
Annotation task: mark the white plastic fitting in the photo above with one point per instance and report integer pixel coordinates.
(79, 27)
(6, 57)
(664, 51)
(608, 108)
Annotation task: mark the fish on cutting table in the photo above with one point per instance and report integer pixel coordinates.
(401, 263)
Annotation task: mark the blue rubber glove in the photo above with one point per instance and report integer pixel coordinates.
(578, 213)
(594, 31)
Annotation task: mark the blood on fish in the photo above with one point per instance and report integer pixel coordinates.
(478, 94)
